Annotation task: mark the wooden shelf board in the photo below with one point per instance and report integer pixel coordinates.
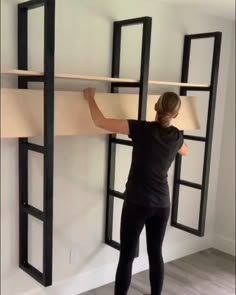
(70, 76)
(22, 112)
(101, 79)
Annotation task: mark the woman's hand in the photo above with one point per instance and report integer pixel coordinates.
(113, 125)
(89, 93)
(184, 150)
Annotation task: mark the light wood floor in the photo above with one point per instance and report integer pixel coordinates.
(206, 273)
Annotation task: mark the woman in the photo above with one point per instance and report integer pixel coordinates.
(147, 202)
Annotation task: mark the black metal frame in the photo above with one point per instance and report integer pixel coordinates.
(143, 91)
(212, 89)
(46, 216)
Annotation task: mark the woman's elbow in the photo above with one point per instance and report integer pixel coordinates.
(99, 122)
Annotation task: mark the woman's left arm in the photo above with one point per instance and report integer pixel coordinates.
(112, 125)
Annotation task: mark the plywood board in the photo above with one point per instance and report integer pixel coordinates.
(22, 112)
(100, 79)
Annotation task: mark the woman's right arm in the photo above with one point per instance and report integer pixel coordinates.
(113, 125)
(184, 150)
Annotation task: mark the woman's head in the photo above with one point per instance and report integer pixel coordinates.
(167, 108)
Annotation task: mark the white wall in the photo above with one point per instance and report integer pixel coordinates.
(83, 45)
(225, 214)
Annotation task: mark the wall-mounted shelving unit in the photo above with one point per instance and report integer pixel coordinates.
(47, 78)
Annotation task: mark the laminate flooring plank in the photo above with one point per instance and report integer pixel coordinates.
(209, 272)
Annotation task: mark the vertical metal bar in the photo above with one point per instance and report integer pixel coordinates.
(49, 53)
(175, 201)
(144, 72)
(23, 153)
(186, 59)
(144, 75)
(111, 146)
(209, 131)
(178, 161)
(110, 184)
(116, 50)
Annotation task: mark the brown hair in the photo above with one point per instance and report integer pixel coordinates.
(167, 108)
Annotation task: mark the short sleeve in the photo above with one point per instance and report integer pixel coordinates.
(136, 130)
(181, 139)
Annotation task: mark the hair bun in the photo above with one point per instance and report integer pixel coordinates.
(164, 119)
(167, 108)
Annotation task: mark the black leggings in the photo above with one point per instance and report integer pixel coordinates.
(132, 222)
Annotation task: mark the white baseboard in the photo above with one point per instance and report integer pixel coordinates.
(225, 245)
(187, 247)
(106, 274)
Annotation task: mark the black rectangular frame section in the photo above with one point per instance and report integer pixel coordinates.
(46, 216)
(217, 36)
(143, 92)
(32, 4)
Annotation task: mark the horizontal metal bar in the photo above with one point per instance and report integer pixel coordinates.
(33, 211)
(34, 147)
(186, 228)
(116, 194)
(203, 35)
(31, 78)
(190, 184)
(133, 21)
(33, 272)
(126, 84)
(31, 4)
(121, 141)
(34, 78)
(195, 138)
(196, 88)
(114, 244)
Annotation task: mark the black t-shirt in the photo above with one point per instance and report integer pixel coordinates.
(154, 149)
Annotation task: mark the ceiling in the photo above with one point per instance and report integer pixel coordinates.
(221, 8)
